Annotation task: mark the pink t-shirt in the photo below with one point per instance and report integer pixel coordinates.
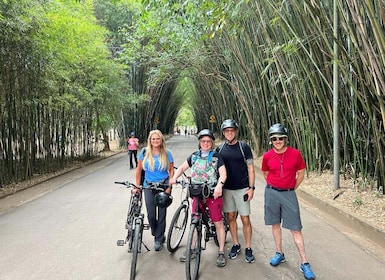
(133, 143)
(282, 168)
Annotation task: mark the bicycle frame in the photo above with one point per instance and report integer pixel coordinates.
(201, 217)
(200, 221)
(135, 226)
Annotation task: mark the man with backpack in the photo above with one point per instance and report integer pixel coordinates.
(238, 189)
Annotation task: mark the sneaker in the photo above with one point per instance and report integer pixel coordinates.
(306, 270)
(235, 251)
(249, 258)
(183, 257)
(221, 260)
(277, 259)
(158, 246)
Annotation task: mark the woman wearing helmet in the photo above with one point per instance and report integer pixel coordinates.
(158, 163)
(208, 167)
(284, 170)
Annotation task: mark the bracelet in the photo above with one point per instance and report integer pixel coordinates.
(252, 187)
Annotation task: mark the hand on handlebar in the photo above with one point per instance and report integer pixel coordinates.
(172, 181)
(136, 190)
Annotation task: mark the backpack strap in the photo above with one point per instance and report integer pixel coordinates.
(243, 153)
(197, 154)
(241, 144)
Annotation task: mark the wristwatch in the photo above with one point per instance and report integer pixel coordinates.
(253, 188)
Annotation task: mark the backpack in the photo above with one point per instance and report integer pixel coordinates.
(220, 147)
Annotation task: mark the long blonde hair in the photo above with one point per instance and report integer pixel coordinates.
(163, 156)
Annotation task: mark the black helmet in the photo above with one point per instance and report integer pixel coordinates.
(206, 132)
(229, 123)
(277, 129)
(163, 199)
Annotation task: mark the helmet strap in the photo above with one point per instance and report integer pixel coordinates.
(232, 141)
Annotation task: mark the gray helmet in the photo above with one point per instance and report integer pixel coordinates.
(277, 129)
(163, 199)
(206, 132)
(229, 123)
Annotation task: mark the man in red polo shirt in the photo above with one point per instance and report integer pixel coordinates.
(284, 170)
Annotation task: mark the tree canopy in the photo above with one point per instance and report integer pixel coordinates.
(79, 71)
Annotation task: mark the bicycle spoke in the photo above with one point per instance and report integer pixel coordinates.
(135, 250)
(177, 228)
(193, 252)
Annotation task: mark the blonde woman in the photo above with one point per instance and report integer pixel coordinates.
(158, 163)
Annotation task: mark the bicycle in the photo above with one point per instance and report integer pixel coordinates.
(201, 225)
(179, 220)
(135, 224)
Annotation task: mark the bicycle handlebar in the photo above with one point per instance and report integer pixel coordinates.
(127, 184)
(153, 186)
(158, 186)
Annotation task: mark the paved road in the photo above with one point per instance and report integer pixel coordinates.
(67, 228)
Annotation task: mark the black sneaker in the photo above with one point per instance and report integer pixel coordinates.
(235, 251)
(249, 258)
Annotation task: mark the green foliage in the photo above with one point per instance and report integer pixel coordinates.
(76, 68)
(357, 201)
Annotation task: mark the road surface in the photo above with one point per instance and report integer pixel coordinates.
(67, 228)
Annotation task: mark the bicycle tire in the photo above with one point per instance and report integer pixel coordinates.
(177, 227)
(226, 226)
(193, 253)
(135, 250)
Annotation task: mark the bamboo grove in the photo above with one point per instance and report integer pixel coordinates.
(276, 58)
(74, 70)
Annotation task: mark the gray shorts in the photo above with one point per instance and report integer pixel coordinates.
(282, 207)
(233, 202)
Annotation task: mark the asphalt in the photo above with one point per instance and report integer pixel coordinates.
(332, 254)
(351, 222)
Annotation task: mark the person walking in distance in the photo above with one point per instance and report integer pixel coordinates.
(239, 188)
(132, 144)
(207, 167)
(158, 163)
(284, 169)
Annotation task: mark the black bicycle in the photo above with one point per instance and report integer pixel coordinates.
(201, 226)
(135, 224)
(178, 223)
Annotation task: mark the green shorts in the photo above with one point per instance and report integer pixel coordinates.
(233, 202)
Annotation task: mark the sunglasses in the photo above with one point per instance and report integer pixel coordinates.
(277, 138)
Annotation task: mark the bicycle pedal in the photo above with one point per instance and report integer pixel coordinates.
(120, 243)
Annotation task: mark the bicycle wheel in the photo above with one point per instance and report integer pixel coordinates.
(226, 226)
(177, 228)
(193, 252)
(135, 250)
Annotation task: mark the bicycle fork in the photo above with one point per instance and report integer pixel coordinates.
(129, 238)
